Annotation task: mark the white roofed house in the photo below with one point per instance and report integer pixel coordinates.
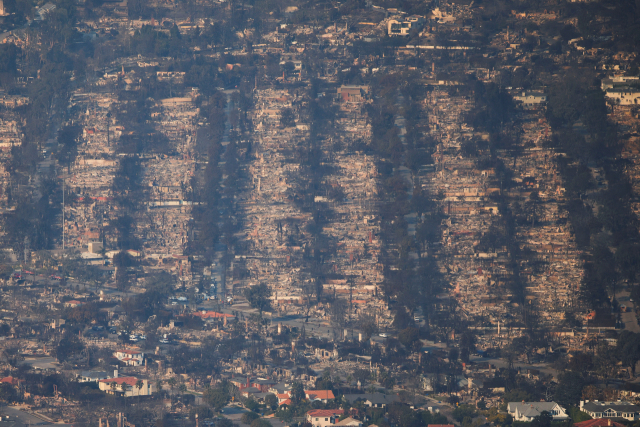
(130, 357)
(92, 376)
(527, 411)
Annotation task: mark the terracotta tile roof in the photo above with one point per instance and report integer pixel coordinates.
(319, 394)
(127, 380)
(129, 351)
(324, 412)
(9, 380)
(598, 422)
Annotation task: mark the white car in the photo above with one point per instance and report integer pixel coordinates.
(383, 335)
(164, 341)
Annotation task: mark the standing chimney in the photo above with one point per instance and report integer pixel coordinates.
(115, 374)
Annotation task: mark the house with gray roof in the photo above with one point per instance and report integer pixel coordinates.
(527, 411)
(372, 400)
(92, 376)
(618, 409)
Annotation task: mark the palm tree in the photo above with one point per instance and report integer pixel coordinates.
(113, 386)
(139, 385)
(172, 383)
(349, 380)
(183, 389)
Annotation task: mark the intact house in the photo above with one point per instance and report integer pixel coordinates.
(527, 411)
(350, 422)
(126, 386)
(130, 357)
(622, 90)
(319, 395)
(92, 376)
(353, 93)
(323, 417)
(615, 82)
(618, 409)
(372, 400)
(629, 96)
(600, 422)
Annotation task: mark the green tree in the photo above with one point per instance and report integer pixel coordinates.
(271, 400)
(8, 393)
(297, 393)
(542, 420)
(68, 144)
(8, 56)
(464, 411)
(408, 337)
(258, 297)
(68, 346)
(139, 385)
(605, 361)
(569, 389)
(248, 417)
(467, 345)
(629, 349)
(218, 397)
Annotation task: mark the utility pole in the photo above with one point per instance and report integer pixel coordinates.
(63, 231)
(108, 123)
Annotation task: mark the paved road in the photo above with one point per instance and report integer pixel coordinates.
(629, 318)
(42, 362)
(19, 418)
(234, 413)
